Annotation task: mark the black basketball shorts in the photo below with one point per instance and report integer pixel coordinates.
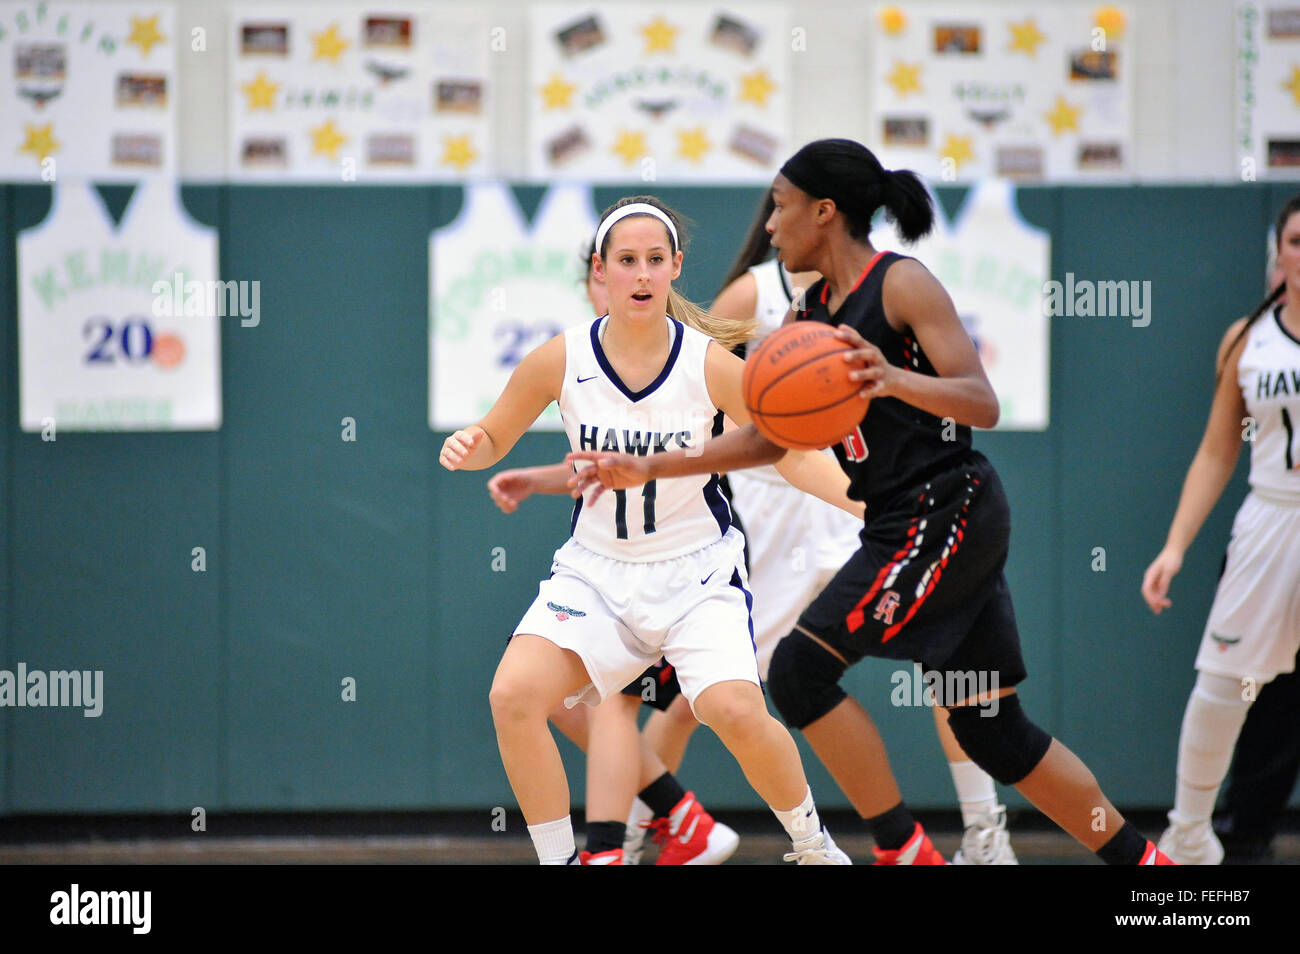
(926, 583)
(657, 686)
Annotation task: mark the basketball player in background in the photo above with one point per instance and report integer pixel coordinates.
(1253, 631)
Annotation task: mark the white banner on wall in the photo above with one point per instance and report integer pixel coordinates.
(87, 89)
(1268, 90)
(499, 289)
(116, 329)
(994, 265)
(341, 92)
(660, 92)
(1031, 92)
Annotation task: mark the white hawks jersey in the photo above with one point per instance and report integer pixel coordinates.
(1268, 373)
(661, 519)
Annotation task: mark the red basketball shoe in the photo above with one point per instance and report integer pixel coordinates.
(690, 836)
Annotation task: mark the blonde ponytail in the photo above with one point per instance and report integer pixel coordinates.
(727, 332)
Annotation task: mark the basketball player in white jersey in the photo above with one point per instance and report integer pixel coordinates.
(653, 571)
(1253, 631)
(686, 833)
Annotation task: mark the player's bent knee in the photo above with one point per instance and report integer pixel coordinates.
(803, 680)
(513, 701)
(1000, 739)
(731, 710)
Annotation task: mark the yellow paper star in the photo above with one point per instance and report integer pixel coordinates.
(557, 94)
(328, 45)
(892, 20)
(660, 35)
(326, 139)
(261, 92)
(1111, 19)
(1026, 37)
(755, 88)
(693, 143)
(144, 33)
(1063, 116)
(905, 78)
(40, 140)
(957, 148)
(1293, 84)
(631, 146)
(457, 151)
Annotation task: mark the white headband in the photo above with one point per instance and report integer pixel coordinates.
(635, 208)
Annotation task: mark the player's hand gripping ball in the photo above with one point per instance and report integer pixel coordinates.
(798, 390)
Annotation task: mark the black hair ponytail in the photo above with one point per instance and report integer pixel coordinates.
(849, 173)
(908, 203)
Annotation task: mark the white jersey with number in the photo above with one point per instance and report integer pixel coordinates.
(663, 519)
(1269, 375)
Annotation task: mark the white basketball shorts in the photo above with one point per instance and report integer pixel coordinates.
(1254, 625)
(620, 617)
(797, 542)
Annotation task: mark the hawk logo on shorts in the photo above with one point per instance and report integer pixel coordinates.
(563, 612)
(885, 608)
(1223, 642)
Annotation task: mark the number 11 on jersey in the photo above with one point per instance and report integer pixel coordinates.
(648, 491)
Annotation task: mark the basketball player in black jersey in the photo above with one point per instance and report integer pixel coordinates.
(927, 583)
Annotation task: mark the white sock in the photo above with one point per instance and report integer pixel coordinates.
(800, 822)
(975, 791)
(1211, 723)
(641, 812)
(553, 841)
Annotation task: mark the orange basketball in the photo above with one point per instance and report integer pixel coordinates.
(797, 387)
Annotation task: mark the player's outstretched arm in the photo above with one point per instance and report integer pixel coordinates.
(1208, 474)
(510, 488)
(735, 450)
(534, 384)
(914, 298)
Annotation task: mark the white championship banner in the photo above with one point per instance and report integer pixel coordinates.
(116, 323)
(659, 92)
(1034, 92)
(87, 90)
(1267, 90)
(994, 265)
(499, 289)
(349, 92)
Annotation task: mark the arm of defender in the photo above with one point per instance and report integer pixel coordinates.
(534, 384)
(1210, 470)
(510, 488)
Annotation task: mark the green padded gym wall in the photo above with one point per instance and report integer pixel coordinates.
(328, 559)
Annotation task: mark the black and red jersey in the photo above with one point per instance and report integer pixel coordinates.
(897, 446)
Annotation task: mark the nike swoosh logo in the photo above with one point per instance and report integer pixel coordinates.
(686, 836)
(707, 578)
(585, 380)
